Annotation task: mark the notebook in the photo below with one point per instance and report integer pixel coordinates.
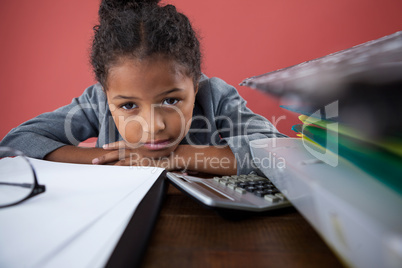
(89, 216)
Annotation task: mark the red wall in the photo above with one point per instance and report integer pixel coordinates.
(45, 45)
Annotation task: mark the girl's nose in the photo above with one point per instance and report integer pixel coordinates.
(154, 122)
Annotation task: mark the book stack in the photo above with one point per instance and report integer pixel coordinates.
(344, 172)
(349, 104)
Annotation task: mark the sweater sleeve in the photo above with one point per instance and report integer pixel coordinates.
(238, 125)
(68, 125)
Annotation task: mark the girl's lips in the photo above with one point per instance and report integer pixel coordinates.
(157, 145)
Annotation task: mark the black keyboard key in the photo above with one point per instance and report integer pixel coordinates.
(250, 188)
(261, 187)
(269, 191)
(242, 184)
(260, 193)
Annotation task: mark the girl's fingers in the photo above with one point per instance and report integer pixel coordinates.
(126, 162)
(123, 162)
(120, 163)
(123, 157)
(114, 145)
(106, 158)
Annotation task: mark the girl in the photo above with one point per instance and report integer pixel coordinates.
(152, 105)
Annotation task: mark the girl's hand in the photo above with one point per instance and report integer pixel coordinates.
(207, 159)
(121, 154)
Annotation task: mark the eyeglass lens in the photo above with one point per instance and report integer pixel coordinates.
(17, 178)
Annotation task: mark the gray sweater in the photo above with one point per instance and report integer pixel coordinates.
(220, 117)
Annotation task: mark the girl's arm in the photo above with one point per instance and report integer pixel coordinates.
(207, 159)
(68, 125)
(74, 154)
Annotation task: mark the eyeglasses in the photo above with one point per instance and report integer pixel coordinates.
(18, 180)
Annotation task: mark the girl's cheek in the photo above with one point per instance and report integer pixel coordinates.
(176, 120)
(130, 129)
(133, 133)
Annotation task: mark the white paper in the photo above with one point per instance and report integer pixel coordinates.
(78, 220)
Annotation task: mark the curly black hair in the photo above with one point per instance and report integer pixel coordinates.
(141, 29)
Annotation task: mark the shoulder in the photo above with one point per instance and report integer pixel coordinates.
(94, 94)
(92, 103)
(93, 98)
(215, 89)
(215, 86)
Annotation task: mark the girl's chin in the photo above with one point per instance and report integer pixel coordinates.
(166, 152)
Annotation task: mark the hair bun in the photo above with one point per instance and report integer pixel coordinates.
(144, 2)
(128, 4)
(109, 8)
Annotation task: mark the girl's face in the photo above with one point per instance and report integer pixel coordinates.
(152, 103)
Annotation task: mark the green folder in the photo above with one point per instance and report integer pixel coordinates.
(391, 144)
(374, 160)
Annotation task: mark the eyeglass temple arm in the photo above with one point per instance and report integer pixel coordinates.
(25, 185)
(39, 188)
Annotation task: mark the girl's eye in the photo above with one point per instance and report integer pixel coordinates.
(170, 101)
(128, 106)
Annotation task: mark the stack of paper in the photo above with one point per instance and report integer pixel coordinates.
(78, 221)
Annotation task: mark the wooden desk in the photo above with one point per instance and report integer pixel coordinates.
(189, 235)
